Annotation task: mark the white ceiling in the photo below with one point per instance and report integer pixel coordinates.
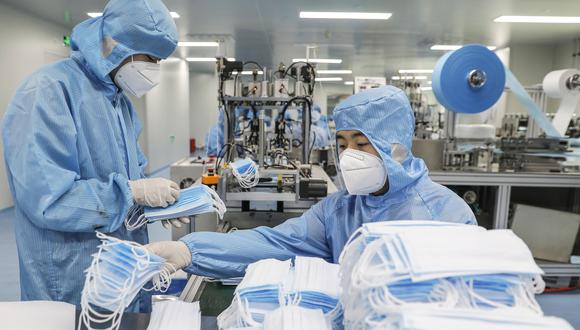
(270, 31)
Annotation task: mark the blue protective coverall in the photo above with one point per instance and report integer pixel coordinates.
(385, 117)
(319, 133)
(70, 145)
(214, 140)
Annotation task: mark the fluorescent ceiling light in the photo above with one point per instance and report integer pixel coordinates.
(430, 82)
(329, 79)
(319, 60)
(416, 71)
(171, 59)
(539, 19)
(454, 47)
(409, 78)
(334, 71)
(198, 44)
(344, 15)
(247, 73)
(426, 89)
(93, 15)
(205, 59)
(349, 83)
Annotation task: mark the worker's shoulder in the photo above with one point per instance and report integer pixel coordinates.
(334, 202)
(58, 74)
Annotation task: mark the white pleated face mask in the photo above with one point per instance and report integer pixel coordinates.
(362, 172)
(138, 77)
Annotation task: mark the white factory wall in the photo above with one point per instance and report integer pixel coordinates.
(529, 63)
(563, 58)
(165, 115)
(33, 43)
(203, 105)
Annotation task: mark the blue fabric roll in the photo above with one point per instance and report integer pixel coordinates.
(450, 79)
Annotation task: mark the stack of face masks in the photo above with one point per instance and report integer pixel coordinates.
(425, 318)
(270, 284)
(175, 315)
(393, 264)
(192, 201)
(246, 172)
(295, 318)
(119, 270)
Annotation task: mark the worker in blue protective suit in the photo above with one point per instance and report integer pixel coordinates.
(70, 145)
(319, 133)
(214, 140)
(384, 182)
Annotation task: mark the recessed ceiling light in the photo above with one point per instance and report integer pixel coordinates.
(171, 59)
(319, 60)
(416, 71)
(96, 14)
(198, 44)
(426, 89)
(454, 47)
(344, 15)
(329, 79)
(205, 59)
(409, 78)
(349, 83)
(334, 71)
(539, 19)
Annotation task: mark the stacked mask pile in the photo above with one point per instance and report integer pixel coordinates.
(118, 272)
(271, 286)
(195, 200)
(436, 275)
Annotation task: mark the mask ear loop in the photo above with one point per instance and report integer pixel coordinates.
(131, 224)
(142, 259)
(89, 315)
(469, 285)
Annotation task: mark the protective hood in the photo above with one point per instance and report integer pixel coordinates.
(127, 27)
(385, 117)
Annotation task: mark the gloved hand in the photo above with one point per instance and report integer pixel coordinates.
(177, 223)
(154, 192)
(176, 254)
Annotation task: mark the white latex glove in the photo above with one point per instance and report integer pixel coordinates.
(154, 192)
(176, 254)
(177, 223)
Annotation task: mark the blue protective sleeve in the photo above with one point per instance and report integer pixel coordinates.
(42, 157)
(221, 255)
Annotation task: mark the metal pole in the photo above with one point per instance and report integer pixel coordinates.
(306, 133)
(262, 137)
(502, 207)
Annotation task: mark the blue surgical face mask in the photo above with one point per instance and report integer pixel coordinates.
(246, 171)
(310, 283)
(195, 200)
(118, 271)
(396, 263)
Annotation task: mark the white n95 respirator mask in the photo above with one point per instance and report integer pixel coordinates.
(362, 172)
(138, 77)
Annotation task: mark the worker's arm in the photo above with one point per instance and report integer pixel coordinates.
(138, 127)
(40, 140)
(227, 255)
